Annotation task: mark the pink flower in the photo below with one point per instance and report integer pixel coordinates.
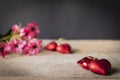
(33, 47)
(16, 46)
(15, 29)
(33, 28)
(25, 33)
(30, 31)
(3, 50)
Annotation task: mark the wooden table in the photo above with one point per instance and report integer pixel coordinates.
(48, 65)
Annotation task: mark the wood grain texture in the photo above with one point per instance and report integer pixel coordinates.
(49, 65)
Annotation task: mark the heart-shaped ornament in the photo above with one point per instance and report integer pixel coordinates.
(51, 46)
(85, 61)
(101, 66)
(64, 48)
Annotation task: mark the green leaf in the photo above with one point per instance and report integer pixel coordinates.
(1, 35)
(15, 36)
(6, 38)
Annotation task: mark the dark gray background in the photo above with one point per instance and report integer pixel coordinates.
(72, 19)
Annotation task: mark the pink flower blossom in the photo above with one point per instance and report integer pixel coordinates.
(16, 46)
(33, 28)
(15, 29)
(3, 50)
(30, 31)
(25, 33)
(33, 47)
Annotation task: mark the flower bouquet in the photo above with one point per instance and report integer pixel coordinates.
(21, 40)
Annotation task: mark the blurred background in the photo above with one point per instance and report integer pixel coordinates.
(71, 19)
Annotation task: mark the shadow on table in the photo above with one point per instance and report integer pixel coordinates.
(114, 71)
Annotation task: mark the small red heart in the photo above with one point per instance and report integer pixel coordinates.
(64, 48)
(101, 66)
(85, 61)
(51, 46)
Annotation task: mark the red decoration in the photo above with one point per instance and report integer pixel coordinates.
(51, 46)
(64, 48)
(85, 61)
(99, 66)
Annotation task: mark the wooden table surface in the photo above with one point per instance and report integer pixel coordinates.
(48, 65)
